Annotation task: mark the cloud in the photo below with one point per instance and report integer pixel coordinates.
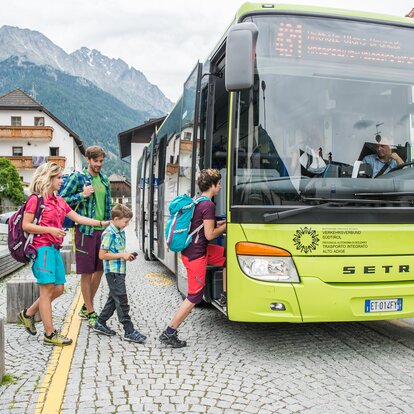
(162, 39)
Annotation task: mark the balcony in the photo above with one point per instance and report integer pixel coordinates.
(29, 133)
(26, 162)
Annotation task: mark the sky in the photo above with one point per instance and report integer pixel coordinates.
(161, 38)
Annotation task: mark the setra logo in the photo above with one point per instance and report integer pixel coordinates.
(306, 239)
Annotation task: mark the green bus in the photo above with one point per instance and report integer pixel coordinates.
(309, 115)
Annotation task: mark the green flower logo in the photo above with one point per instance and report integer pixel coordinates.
(306, 240)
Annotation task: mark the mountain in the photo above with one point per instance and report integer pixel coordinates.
(114, 76)
(95, 115)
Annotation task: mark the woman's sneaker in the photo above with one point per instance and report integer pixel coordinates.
(103, 329)
(83, 313)
(135, 336)
(172, 340)
(56, 339)
(28, 322)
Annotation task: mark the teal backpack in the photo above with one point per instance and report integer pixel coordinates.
(177, 231)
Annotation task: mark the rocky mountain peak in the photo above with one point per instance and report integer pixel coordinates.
(114, 76)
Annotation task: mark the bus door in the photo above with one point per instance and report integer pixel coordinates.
(189, 147)
(138, 200)
(214, 126)
(159, 197)
(146, 209)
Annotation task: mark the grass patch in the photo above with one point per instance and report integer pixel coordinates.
(7, 379)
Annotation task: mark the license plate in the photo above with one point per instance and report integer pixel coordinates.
(383, 305)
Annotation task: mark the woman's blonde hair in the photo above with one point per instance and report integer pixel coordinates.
(42, 179)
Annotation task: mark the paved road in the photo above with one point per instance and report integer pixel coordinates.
(230, 367)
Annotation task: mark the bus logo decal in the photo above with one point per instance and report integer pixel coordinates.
(306, 239)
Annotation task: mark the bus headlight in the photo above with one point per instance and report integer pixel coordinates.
(267, 263)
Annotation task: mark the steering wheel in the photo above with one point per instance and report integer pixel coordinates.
(401, 166)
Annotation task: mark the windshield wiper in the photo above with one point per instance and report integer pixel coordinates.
(339, 202)
(293, 212)
(356, 200)
(387, 194)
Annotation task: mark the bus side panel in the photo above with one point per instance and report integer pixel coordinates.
(248, 299)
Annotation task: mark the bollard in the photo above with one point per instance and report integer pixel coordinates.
(2, 349)
(20, 295)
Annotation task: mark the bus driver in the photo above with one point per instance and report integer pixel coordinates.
(385, 159)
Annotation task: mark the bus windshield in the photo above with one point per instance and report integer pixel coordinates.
(330, 118)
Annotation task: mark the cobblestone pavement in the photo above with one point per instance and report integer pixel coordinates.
(227, 367)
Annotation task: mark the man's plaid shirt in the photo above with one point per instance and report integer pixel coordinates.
(113, 240)
(72, 193)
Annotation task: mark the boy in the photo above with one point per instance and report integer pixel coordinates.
(114, 258)
(199, 254)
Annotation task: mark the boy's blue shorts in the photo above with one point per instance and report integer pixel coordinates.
(48, 266)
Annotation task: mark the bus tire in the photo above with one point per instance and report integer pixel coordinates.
(146, 256)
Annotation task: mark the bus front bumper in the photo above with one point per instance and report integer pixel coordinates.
(327, 302)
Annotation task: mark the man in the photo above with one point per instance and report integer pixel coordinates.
(89, 192)
(384, 160)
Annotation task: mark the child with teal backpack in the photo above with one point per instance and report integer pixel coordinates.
(197, 253)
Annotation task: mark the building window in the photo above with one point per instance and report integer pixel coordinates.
(17, 151)
(39, 121)
(16, 121)
(54, 151)
(187, 136)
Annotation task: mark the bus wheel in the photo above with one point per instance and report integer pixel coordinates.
(146, 255)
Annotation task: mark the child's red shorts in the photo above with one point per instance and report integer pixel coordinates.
(196, 270)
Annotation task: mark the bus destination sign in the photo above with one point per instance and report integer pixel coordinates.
(303, 41)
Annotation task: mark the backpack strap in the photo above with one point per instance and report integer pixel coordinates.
(39, 208)
(197, 230)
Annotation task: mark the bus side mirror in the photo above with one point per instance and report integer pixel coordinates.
(240, 55)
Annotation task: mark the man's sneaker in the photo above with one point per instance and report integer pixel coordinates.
(57, 339)
(28, 322)
(135, 336)
(172, 340)
(103, 329)
(83, 313)
(92, 319)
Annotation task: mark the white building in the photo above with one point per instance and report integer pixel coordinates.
(131, 144)
(31, 135)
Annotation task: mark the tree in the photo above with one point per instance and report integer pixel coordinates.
(10, 183)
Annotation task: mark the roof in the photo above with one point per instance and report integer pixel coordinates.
(19, 99)
(116, 178)
(141, 134)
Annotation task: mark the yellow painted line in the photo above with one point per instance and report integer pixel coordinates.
(54, 384)
(159, 279)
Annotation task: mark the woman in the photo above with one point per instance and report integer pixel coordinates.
(48, 267)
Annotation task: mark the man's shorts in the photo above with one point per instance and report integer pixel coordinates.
(48, 266)
(87, 252)
(197, 268)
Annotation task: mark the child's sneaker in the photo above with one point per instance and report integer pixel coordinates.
(28, 322)
(56, 339)
(103, 329)
(222, 301)
(135, 336)
(172, 340)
